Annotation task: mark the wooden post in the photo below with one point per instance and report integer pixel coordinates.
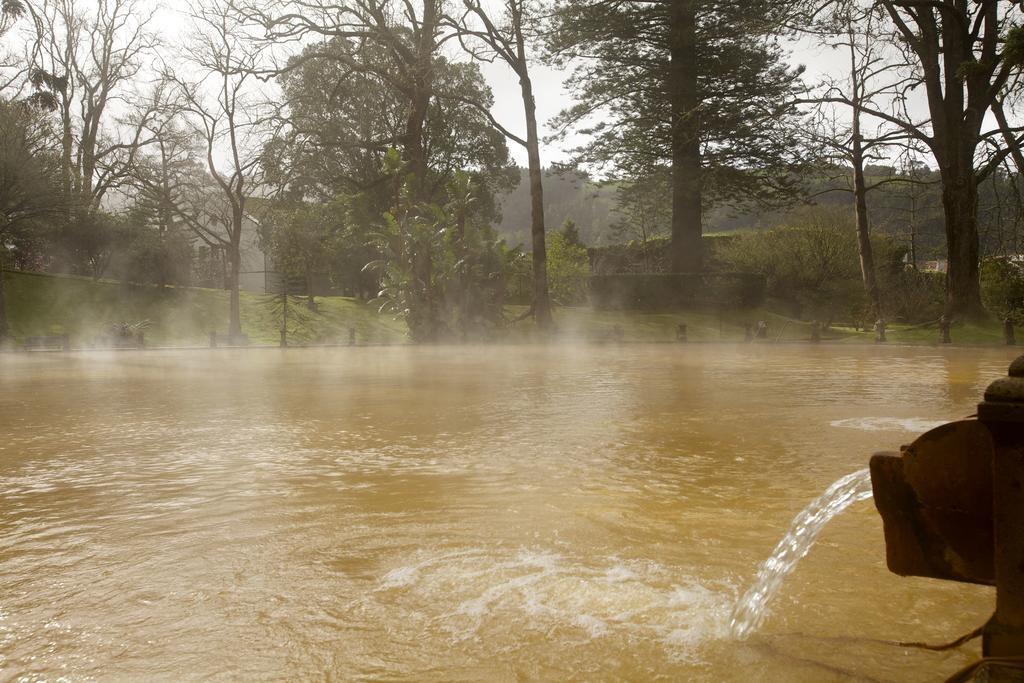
(880, 337)
(284, 317)
(944, 325)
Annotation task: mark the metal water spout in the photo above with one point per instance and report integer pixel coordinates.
(952, 506)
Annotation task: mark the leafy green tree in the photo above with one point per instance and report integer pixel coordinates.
(811, 264)
(568, 269)
(343, 120)
(154, 256)
(693, 88)
(571, 233)
(441, 272)
(30, 184)
(302, 240)
(89, 240)
(1002, 289)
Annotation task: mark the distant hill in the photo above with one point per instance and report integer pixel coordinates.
(566, 196)
(592, 206)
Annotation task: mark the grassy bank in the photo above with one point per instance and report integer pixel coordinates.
(40, 304)
(729, 326)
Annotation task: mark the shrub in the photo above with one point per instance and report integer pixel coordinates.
(1002, 289)
(913, 296)
(673, 291)
(568, 268)
(813, 267)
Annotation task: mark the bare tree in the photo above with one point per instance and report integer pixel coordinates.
(962, 54)
(220, 102)
(504, 38)
(89, 56)
(873, 79)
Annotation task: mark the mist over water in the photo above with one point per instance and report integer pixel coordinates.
(470, 513)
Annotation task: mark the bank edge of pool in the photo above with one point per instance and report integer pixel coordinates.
(43, 304)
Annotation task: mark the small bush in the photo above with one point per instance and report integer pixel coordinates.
(913, 296)
(568, 268)
(811, 267)
(666, 292)
(1002, 289)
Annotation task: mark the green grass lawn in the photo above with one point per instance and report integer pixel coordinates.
(706, 326)
(42, 304)
(583, 323)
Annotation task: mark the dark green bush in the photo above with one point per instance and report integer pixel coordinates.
(665, 292)
(1002, 289)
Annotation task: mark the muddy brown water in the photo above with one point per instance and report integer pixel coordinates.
(501, 513)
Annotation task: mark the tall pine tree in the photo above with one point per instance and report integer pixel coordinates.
(695, 86)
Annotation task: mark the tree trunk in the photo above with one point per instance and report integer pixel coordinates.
(310, 295)
(235, 257)
(415, 155)
(687, 171)
(541, 298)
(67, 150)
(425, 327)
(419, 104)
(459, 248)
(867, 257)
(4, 327)
(284, 315)
(960, 206)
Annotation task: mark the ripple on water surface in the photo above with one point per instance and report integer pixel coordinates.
(484, 514)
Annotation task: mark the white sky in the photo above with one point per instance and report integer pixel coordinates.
(171, 22)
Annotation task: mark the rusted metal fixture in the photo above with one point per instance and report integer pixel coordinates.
(952, 506)
(1002, 412)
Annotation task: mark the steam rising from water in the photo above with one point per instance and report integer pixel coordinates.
(752, 608)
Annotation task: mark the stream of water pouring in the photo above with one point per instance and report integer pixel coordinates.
(751, 610)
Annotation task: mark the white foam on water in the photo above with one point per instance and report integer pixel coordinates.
(399, 578)
(500, 593)
(591, 624)
(619, 573)
(916, 425)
